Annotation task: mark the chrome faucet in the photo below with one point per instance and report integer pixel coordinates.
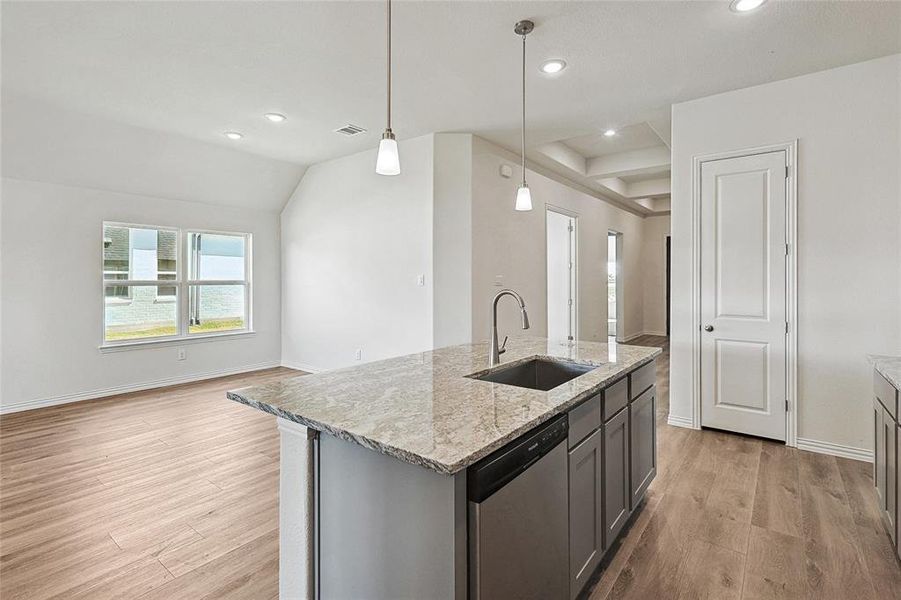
(494, 353)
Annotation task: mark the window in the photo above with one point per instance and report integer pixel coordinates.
(149, 295)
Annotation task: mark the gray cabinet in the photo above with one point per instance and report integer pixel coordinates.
(606, 458)
(891, 473)
(887, 455)
(879, 452)
(586, 532)
(616, 475)
(643, 433)
(584, 419)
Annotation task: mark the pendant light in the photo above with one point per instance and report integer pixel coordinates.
(523, 195)
(388, 160)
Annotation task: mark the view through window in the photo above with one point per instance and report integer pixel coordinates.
(149, 295)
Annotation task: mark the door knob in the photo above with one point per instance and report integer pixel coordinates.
(708, 327)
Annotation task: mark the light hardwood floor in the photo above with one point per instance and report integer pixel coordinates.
(173, 493)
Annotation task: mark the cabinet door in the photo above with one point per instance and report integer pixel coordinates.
(616, 475)
(891, 472)
(585, 529)
(643, 443)
(879, 452)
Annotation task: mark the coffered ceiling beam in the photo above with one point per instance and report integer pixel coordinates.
(636, 162)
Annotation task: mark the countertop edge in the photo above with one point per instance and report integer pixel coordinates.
(879, 362)
(418, 460)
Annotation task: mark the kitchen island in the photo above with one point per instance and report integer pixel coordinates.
(374, 461)
(887, 443)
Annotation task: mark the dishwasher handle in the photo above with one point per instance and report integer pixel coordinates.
(502, 466)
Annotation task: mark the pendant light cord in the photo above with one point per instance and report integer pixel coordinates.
(389, 65)
(523, 138)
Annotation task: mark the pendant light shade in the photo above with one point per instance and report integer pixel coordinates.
(523, 198)
(388, 160)
(523, 194)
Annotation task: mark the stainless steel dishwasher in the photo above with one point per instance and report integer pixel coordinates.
(519, 519)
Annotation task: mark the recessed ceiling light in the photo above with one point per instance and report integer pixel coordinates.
(233, 135)
(275, 117)
(555, 65)
(610, 133)
(745, 5)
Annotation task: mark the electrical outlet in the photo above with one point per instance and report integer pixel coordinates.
(358, 355)
(182, 354)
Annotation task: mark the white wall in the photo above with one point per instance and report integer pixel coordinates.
(509, 250)
(654, 272)
(849, 199)
(353, 245)
(452, 237)
(52, 295)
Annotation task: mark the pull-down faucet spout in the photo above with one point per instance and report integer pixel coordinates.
(494, 352)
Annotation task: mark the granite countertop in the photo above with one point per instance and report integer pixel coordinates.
(889, 367)
(422, 409)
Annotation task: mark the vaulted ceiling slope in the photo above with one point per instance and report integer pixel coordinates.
(42, 141)
(197, 69)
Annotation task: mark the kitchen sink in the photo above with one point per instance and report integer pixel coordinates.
(536, 373)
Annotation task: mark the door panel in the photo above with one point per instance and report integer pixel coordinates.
(643, 444)
(890, 472)
(561, 230)
(585, 529)
(879, 450)
(616, 475)
(743, 315)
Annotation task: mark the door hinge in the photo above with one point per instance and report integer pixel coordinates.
(786, 172)
(787, 406)
(570, 227)
(786, 327)
(787, 249)
(570, 301)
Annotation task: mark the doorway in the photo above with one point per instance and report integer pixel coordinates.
(561, 275)
(668, 281)
(615, 306)
(743, 293)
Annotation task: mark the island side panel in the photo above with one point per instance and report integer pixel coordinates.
(388, 529)
(296, 510)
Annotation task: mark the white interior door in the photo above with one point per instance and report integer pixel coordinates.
(561, 281)
(743, 302)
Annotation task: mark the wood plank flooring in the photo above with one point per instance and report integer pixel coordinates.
(173, 493)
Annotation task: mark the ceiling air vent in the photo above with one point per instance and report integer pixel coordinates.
(350, 130)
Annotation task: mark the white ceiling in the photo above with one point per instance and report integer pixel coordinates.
(631, 137)
(200, 68)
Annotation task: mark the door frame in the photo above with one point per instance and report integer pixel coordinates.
(620, 336)
(575, 270)
(791, 275)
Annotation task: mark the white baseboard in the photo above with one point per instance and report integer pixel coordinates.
(641, 333)
(839, 450)
(132, 387)
(677, 421)
(302, 367)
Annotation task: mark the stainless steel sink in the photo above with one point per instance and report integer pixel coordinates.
(537, 373)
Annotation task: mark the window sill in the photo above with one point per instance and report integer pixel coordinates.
(181, 341)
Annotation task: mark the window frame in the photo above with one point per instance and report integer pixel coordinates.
(184, 290)
(182, 285)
